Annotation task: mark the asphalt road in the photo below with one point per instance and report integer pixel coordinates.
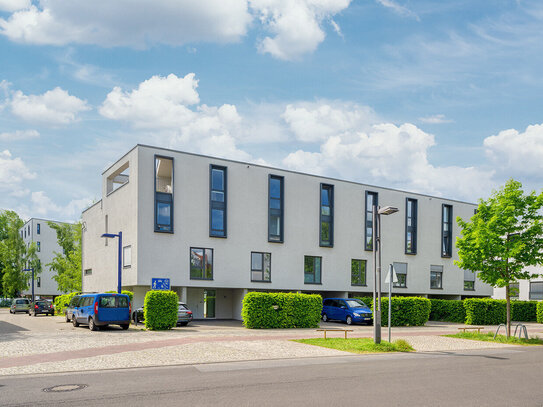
(504, 377)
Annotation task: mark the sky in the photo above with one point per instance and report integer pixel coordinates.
(438, 97)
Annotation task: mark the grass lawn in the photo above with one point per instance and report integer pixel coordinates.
(358, 345)
(489, 337)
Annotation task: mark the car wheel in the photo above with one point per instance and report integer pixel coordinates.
(66, 318)
(92, 325)
(125, 326)
(349, 320)
(324, 317)
(74, 322)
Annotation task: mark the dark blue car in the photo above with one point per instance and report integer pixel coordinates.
(349, 310)
(98, 310)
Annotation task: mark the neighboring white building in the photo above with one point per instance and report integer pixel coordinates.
(219, 228)
(37, 230)
(525, 289)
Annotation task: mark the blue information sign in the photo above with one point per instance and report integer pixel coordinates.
(160, 283)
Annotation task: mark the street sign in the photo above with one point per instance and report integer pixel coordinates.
(394, 275)
(160, 283)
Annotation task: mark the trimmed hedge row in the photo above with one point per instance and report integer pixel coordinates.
(523, 311)
(281, 310)
(406, 311)
(485, 311)
(160, 309)
(62, 300)
(447, 310)
(540, 312)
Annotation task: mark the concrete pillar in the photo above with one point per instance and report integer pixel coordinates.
(182, 291)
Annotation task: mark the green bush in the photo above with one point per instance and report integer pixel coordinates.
(447, 310)
(129, 293)
(540, 312)
(406, 311)
(485, 311)
(160, 309)
(61, 301)
(5, 302)
(524, 311)
(281, 310)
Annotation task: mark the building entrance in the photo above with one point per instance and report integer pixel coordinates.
(209, 303)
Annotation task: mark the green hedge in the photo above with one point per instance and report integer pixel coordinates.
(524, 311)
(406, 311)
(447, 310)
(129, 293)
(281, 310)
(540, 312)
(61, 301)
(160, 309)
(485, 311)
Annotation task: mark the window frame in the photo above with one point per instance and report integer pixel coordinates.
(414, 223)
(87, 272)
(38, 228)
(326, 218)
(124, 256)
(162, 197)
(364, 280)
(274, 211)
(314, 268)
(537, 292)
(203, 264)
(262, 269)
(433, 271)
(38, 246)
(398, 285)
(447, 253)
(375, 202)
(217, 205)
(38, 282)
(469, 289)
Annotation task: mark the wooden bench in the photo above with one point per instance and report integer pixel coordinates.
(473, 327)
(334, 330)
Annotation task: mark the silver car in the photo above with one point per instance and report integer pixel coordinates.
(20, 305)
(184, 314)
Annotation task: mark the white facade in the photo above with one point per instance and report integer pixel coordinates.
(525, 290)
(128, 205)
(38, 231)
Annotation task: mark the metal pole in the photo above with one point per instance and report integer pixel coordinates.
(32, 284)
(120, 262)
(390, 277)
(376, 281)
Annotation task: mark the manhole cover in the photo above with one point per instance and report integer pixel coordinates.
(65, 387)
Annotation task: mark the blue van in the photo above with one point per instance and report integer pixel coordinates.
(97, 310)
(349, 310)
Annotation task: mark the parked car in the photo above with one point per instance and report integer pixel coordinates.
(20, 305)
(69, 311)
(349, 310)
(41, 307)
(184, 314)
(97, 310)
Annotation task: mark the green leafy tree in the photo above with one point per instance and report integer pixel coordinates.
(67, 264)
(502, 238)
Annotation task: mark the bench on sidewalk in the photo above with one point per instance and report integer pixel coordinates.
(472, 327)
(334, 330)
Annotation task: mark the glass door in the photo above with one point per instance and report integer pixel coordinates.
(209, 303)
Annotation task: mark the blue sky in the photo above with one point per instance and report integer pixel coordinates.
(443, 98)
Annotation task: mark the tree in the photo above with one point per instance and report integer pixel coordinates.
(502, 238)
(67, 264)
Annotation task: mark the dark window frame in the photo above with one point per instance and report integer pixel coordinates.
(375, 202)
(262, 269)
(38, 228)
(38, 282)
(38, 244)
(276, 212)
(446, 246)
(217, 205)
(365, 279)
(203, 264)
(413, 228)
(398, 284)
(472, 283)
(163, 197)
(326, 218)
(535, 292)
(440, 277)
(314, 273)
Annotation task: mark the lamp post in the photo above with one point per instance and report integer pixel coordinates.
(376, 230)
(32, 270)
(507, 287)
(119, 276)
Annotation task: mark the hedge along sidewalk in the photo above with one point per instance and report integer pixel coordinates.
(160, 309)
(281, 310)
(406, 311)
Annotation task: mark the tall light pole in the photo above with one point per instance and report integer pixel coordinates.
(120, 256)
(376, 226)
(32, 270)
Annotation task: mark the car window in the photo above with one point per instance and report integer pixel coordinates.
(23, 302)
(327, 303)
(107, 302)
(74, 301)
(341, 303)
(123, 302)
(355, 303)
(86, 301)
(182, 306)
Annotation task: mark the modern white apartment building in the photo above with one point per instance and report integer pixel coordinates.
(219, 228)
(525, 289)
(38, 231)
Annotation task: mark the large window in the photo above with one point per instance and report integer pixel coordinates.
(201, 263)
(446, 231)
(163, 194)
(358, 272)
(38, 228)
(411, 226)
(469, 280)
(327, 215)
(371, 200)
(261, 267)
(275, 208)
(312, 269)
(536, 290)
(127, 256)
(401, 272)
(217, 201)
(436, 276)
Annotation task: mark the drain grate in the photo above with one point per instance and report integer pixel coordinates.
(64, 388)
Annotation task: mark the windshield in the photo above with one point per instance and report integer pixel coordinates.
(182, 306)
(355, 303)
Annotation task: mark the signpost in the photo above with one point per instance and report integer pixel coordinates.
(389, 280)
(160, 283)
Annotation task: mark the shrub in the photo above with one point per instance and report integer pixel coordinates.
(540, 312)
(524, 311)
(447, 310)
(129, 293)
(406, 311)
(160, 310)
(281, 310)
(61, 301)
(485, 311)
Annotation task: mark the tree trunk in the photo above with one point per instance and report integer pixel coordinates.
(508, 312)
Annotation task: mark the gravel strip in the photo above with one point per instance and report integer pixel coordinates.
(443, 343)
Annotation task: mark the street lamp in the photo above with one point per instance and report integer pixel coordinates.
(376, 230)
(32, 270)
(120, 236)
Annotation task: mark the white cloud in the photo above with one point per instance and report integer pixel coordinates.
(296, 25)
(13, 5)
(398, 9)
(54, 107)
(435, 119)
(19, 135)
(42, 205)
(13, 174)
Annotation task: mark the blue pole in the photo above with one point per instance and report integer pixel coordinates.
(32, 284)
(120, 262)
